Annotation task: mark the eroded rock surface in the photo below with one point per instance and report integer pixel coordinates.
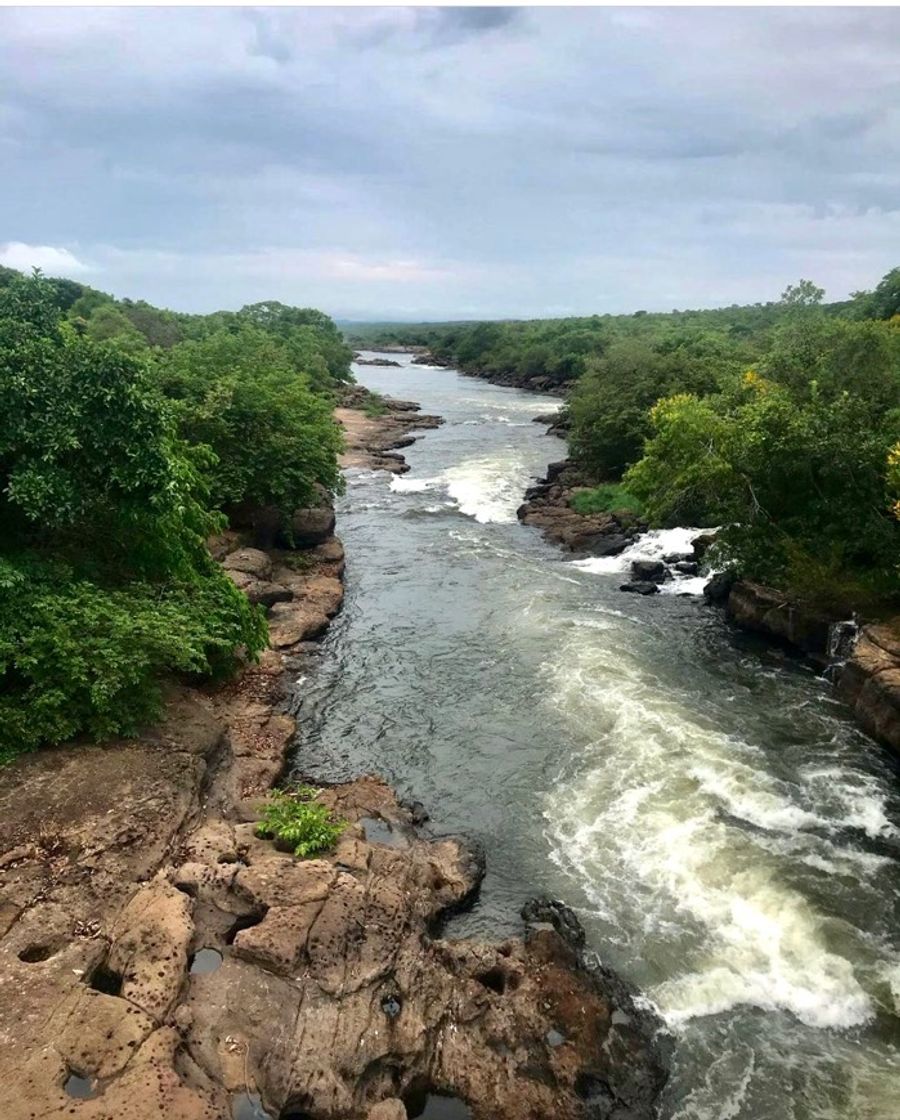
(868, 679)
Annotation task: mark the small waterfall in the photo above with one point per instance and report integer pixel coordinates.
(842, 639)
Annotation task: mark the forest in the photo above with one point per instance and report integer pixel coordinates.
(128, 436)
(779, 422)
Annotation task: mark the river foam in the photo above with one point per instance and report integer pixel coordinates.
(487, 489)
(653, 545)
(663, 812)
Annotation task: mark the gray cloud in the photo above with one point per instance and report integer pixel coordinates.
(460, 161)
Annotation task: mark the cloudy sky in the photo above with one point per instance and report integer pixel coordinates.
(451, 163)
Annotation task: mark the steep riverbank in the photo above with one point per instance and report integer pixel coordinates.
(157, 958)
(864, 664)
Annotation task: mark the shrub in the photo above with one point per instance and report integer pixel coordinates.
(606, 498)
(295, 819)
(78, 658)
(374, 406)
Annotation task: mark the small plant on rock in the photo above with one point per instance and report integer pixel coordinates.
(294, 819)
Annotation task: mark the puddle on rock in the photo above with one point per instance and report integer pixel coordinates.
(437, 1106)
(205, 960)
(248, 1106)
(378, 831)
(82, 1088)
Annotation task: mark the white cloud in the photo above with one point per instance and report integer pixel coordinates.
(48, 258)
(372, 160)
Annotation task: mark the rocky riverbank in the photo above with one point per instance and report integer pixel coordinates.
(511, 379)
(863, 663)
(376, 427)
(158, 959)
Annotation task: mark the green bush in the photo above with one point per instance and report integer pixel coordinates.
(374, 406)
(77, 658)
(296, 820)
(607, 498)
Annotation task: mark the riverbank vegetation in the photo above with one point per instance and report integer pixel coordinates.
(779, 421)
(129, 435)
(297, 822)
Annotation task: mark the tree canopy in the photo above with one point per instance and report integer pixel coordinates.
(127, 435)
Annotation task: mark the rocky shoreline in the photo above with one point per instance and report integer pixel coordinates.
(864, 665)
(157, 958)
(376, 427)
(509, 379)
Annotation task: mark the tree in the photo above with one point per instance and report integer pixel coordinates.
(610, 404)
(108, 324)
(273, 438)
(105, 581)
(884, 302)
(802, 294)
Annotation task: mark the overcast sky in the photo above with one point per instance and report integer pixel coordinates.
(451, 163)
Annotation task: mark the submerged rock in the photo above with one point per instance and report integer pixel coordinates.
(641, 587)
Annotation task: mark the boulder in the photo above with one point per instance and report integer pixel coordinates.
(251, 561)
(599, 544)
(719, 587)
(771, 612)
(263, 592)
(641, 587)
(654, 571)
(312, 526)
(702, 543)
(687, 567)
(268, 594)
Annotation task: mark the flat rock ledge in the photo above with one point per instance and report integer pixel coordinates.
(371, 441)
(547, 507)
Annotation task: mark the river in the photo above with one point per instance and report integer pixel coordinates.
(730, 840)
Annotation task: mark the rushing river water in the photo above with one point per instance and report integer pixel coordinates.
(730, 840)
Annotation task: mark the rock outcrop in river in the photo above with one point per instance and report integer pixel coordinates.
(547, 507)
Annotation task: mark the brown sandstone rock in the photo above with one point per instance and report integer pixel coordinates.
(252, 561)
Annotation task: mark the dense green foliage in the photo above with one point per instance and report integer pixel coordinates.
(123, 445)
(296, 820)
(794, 460)
(780, 421)
(240, 393)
